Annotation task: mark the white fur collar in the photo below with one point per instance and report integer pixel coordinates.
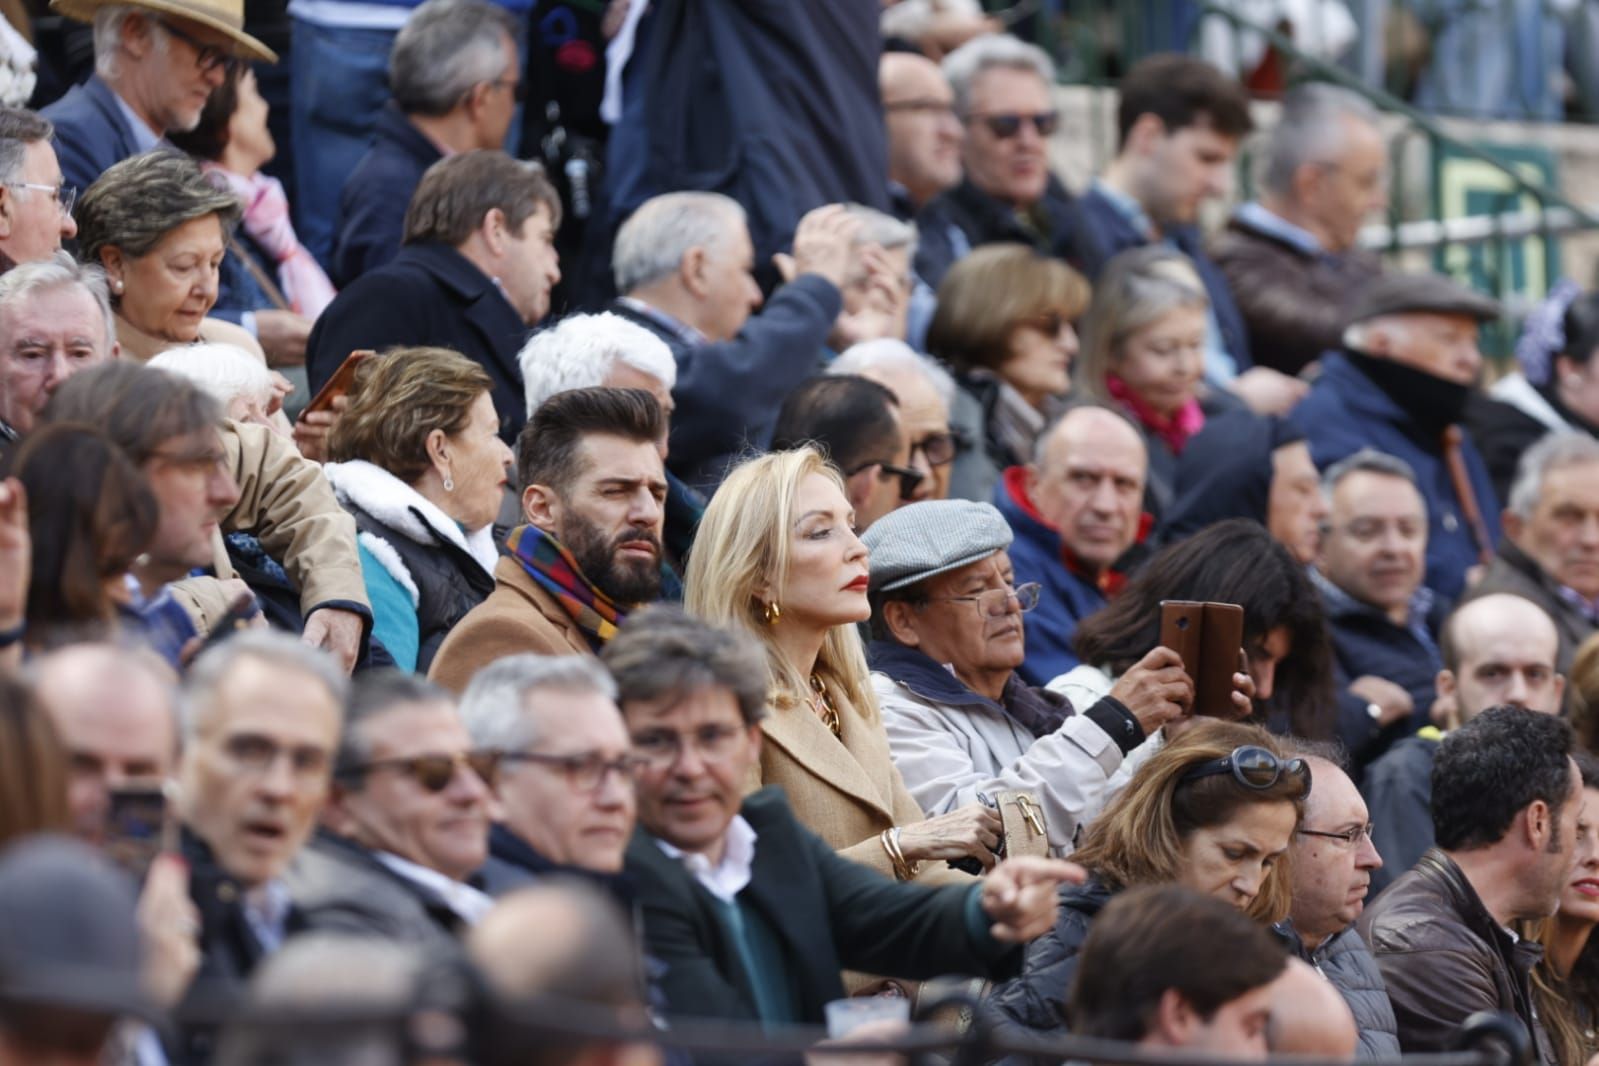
(397, 505)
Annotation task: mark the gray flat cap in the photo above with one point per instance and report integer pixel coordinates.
(1396, 294)
(919, 540)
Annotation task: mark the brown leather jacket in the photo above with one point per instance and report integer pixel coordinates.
(1444, 958)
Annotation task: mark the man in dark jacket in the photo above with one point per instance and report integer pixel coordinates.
(685, 264)
(1400, 385)
(1291, 258)
(1504, 810)
(475, 273)
(731, 887)
(454, 73)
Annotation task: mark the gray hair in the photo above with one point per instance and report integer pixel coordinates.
(19, 128)
(225, 371)
(108, 23)
(1369, 461)
(373, 695)
(881, 228)
(992, 51)
(664, 653)
(654, 240)
(202, 687)
(19, 284)
(141, 199)
(1554, 450)
(445, 49)
(494, 705)
(579, 351)
(1310, 131)
(890, 353)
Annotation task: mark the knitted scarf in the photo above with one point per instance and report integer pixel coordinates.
(557, 572)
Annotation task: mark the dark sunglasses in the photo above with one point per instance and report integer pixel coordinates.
(435, 772)
(908, 478)
(208, 56)
(1050, 323)
(1253, 767)
(1006, 126)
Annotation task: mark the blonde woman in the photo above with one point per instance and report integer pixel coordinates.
(776, 556)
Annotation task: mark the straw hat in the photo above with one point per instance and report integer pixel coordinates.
(224, 16)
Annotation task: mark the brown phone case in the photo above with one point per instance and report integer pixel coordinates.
(1209, 637)
(340, 382)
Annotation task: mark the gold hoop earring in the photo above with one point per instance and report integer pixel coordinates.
(771, 612)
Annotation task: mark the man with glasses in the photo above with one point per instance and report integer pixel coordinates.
(947, 628)
(924, 155)
(925, 392)
(407, 822)
(857, 424)
(731, 886)
(566, 768)
(1332, 858)
(35, 205)
(153, 73)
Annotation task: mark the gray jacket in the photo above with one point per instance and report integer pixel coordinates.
(341, 887)
(1346, 962)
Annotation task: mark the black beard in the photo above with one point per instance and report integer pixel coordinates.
(625, 582)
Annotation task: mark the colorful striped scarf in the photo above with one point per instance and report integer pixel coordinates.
(557, 572)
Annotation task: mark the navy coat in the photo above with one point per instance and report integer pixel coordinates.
(985, 220)
(1346, 411)
(1099, 230)
(431, 294)
(91, 132)
(373, 202)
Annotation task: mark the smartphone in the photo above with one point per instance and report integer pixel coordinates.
(340, 382)
(139, 826)
(1209, 637)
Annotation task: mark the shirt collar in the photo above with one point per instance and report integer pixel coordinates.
(1588, 608)
(1128, 208)
(1257, 216)
(144, 138)
(729, 877)
(684, 332)
(1339, 602)
(266, 908)
(468, 903)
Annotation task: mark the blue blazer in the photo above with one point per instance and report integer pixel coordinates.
(375, 196)
(91, 132)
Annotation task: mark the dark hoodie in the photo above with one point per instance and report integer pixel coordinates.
(1226, 471)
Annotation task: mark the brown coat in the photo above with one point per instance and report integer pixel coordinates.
(517, 617)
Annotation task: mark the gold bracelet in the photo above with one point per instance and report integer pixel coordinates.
(903, 869)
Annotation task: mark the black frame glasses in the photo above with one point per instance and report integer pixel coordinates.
(207, 56)
(1253, 767)
(1006, 125)
(584, 771)
(909, 479)
(434, 773)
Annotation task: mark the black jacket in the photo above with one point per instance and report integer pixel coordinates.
(985, 220)
(1226, 471)
(1444, 958)
(431, 294)
(375, 196)
(829, 914)
(1035, 1002)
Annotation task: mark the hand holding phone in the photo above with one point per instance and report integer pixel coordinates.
(1209, 637)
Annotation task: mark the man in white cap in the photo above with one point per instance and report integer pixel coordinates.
(947, 639)
(155, 65)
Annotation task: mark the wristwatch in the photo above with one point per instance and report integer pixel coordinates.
(1375, 711)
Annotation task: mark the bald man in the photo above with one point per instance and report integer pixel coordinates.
(1076, 509)
(924, 160)
(1497, 649)
(1310, 1018)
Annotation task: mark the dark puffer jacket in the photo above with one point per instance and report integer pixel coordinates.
(1347, 963)
(1034, 1004)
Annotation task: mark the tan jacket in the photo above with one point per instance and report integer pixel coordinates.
(517, 617)
(845, 790)
(286, 503)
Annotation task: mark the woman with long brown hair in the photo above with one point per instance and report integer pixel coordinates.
(33, 767)
(1565, 982)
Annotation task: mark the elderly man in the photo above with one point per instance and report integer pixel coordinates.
(153, 71)
(1332, 858)
(260, 731)
(1506, 796)
(476, 272)
(857, 424)
(1550, 552)
(1497, 650)
(407, 822)
(35, 204)
(684, 265)
(925, 392)
(55, 319)
(1400, 385)
(455, 75)
(1384, 621)
(1075, 510)
(566, 769)
(731, 886)
(924, 154)
(879, 286)
(947, 627)
(1291, 257)
(589, 548)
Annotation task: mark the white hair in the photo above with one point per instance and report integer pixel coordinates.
(579, 352)
(912, 20)
(654, 240)
(225, 371)
(108, 23)
(202, 686)
(1553, 451)
(494, 704)
(1310, 131)
(889, 353)
(882, 229)
(20, 283)
(992, 51)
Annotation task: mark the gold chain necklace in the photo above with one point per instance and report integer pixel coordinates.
(824, 707)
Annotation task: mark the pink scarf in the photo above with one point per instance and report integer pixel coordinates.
(266, 220)
(1175, 430)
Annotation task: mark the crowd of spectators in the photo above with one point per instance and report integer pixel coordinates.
(726, 584)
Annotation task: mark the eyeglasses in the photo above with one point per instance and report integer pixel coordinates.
(1006, 126)
(65, 195)
(1253, 767)
(435, 772)
(661, 749)
(908, 479)
(585, 772)
(936, 448)
(995, 603)
(1348, 838)
(256, 755)
(1050, 323)
(207, 57)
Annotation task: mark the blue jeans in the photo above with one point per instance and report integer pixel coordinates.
(1494, 59)
(340, 85)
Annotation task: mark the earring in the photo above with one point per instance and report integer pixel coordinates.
(116, 284)
(449, 483)
(771, 612)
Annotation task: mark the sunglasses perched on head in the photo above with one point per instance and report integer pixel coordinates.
(434, 772)
(1253, 767)
(1009, 124)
